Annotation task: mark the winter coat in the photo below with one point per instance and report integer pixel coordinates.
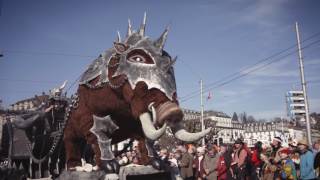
(209, 164)
(222, 168)
(306, 166)
(185, 164)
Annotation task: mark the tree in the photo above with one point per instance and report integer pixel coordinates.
(1, 106)
(251, 119)
(235, 117)
(316, 117)
(243, 117)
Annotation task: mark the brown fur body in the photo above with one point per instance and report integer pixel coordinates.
(123, 104)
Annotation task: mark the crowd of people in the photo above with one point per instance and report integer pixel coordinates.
(236, 161)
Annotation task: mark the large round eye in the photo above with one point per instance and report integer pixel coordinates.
(139, 56)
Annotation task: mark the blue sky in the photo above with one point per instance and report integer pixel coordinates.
(45, 42)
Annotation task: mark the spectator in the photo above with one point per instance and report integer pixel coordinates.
(135, 160)
(185, 163)
(295, 156)
(275, 157)
(222, 166)
(317, 164)
(123, 160)
(288, 170)
(198, 164)
(164, 154)
(173, 159)
(129, 156)
(209, 163)
(256, 161)
(306, 161)
(239, 160)
(316, 147)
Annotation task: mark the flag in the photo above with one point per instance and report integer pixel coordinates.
(209, 96)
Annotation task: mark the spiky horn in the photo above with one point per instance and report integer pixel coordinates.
(118, 37)
(129, 28)
(171, 63)
(63, 85)
(162, 39)
(143, 25)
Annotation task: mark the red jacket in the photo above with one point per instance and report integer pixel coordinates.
(221, 169)
(255, 159)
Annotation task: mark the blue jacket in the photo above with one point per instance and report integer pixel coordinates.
(306, 166)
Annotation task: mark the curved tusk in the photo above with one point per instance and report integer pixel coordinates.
(148, 128)
(153, 111)
(181, 134)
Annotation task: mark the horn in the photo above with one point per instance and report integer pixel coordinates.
(63, 85)
(148, 128)
(181, 134)
(129, 28)
(162, 39)
(143, 25)
(171, 63)
(118, 37)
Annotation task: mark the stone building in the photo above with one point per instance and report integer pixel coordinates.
(225, 130)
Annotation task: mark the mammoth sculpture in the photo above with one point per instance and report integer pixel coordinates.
(129, 91)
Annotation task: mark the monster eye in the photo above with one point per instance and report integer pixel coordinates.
(139, 56)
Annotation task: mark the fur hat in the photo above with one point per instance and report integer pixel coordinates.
(303, 142)
(278, 139)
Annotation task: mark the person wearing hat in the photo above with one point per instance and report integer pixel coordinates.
(209, 163)
(288, 170)
(239, 159)
(306, 161)
(275, 158)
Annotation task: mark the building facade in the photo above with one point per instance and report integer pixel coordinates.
(227, 130)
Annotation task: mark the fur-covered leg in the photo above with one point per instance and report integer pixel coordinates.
(73, 154)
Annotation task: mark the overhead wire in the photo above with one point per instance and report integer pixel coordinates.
(243, 73)
(258, 62)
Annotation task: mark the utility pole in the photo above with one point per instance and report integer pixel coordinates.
(201, 118)
(304, 88)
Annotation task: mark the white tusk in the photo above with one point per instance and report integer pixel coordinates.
(181, 134)
(148, 128)
(153, 111)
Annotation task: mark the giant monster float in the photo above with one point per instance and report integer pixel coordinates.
(129, 91)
